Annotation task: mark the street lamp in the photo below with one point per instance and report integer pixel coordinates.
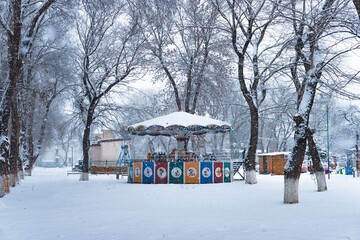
(357, 154)
(72, 157)
(328, 139)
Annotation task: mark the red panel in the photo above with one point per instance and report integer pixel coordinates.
(161, 172)
(218, 172)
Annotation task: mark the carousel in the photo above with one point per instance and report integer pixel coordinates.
(179, 166)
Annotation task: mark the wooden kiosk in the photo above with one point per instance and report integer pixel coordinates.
(273, 163)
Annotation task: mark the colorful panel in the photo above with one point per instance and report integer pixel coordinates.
(228, 172)
(161, 172)
(191, 172)
(131, 172)
(148, 172)
(137, 172)
(218, 172)
(206, 171)
(176, 172)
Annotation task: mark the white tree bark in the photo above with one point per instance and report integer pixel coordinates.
(250, 177)
(84, 176)
(12, 180)
(291, 190)
(321, 181)
(2, 186)
(21, 175)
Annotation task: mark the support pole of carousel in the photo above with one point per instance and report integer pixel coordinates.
(182, 142)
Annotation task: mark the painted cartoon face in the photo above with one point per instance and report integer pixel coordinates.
(227, 172)
(148, 172)
(161, 172)
(218, 172)
(206, 172)
(176, 172)
(191, 172)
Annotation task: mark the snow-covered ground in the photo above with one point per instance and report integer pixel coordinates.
(51, 205)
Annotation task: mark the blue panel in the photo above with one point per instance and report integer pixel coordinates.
(148, 172)
(206, 171)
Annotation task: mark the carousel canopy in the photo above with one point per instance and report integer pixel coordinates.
(179, 124)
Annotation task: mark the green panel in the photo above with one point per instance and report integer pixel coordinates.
(227, 172)
(131, 172)
(176, 172)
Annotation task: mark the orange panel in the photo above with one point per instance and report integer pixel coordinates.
(192, 172)
(137, 172)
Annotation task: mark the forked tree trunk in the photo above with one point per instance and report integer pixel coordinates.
(317, 166)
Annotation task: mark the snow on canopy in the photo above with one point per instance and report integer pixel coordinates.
(179, 124)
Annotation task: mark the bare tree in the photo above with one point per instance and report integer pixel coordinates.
(185, 51)
(109, 52)
(312, 24)
(21, 24)
(247, 22)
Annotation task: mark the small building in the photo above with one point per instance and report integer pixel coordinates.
(53, 156)
(105, 151)
(273, 163)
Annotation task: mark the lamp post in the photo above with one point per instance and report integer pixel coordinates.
(328, 139)
(72, 157)
(355, 163)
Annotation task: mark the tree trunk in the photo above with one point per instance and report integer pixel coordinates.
(84, 176)
(250, 163)
(317, 165)
(20, 170)
(34, 153)
(6, 184)
(2, 178)
(357, 6)
(173, 84)
(14, 144)
(4, 146)
(291, 186)
(15, 68)
(30, 167)
(293, 167)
